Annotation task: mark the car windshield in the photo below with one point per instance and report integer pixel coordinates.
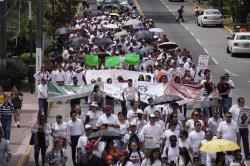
(213, 12)
(243, 37)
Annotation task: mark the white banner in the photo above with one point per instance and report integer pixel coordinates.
(203, 61)
(146, 89)
(113, 73)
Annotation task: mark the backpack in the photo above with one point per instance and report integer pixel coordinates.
(134, 138)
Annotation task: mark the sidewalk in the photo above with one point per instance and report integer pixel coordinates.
(19, 139)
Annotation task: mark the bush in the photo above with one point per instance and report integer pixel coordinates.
(13, 73)
(248, 21)
(25, 57)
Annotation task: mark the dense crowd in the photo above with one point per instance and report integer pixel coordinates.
(150, 134)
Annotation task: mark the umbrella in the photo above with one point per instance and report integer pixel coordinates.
(143, 35)
(156, 30)
(121, 33)
(145, 49)
(114, 14)
(106, 135)
(133, 22)
(79, 41)
(111, 26)
(168, 45)
(166, 99)
(63, 30)
(219, 145)
(201, 104)
(103, 41)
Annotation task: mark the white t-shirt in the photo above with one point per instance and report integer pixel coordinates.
(135, 158)
(228, 130)
(186, 143)
(59, 75)
(69, 77)
(173, 154)
(147, 162)
(129, 163)
(112, 119)
(213, 125)
(124, 127)
(231, 83)
(161, 123)
(131, 115)
(130, 93)
(151, 110)
(235, 109)
(42, 89)
(167, 110)
(195, 139)
(93, 117)
(153, 131)
(82, 141)
(167, 135)
(60, 130)
(190, 124)
(127, 136)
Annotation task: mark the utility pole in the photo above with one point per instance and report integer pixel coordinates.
(3, 32)
(39, 37)
(30, 30)
(54, 25)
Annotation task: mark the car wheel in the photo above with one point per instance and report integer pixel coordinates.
(228, 51)
(198, 24)
(233, 54)
(221, 25)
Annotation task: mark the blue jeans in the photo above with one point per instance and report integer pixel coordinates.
(43, 107)
(6, 125)
(224, 104)
(244, 135)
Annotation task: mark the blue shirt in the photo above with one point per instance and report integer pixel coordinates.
(6, 109)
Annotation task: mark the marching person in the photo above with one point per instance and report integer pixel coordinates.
(16, 99)
(6, 111)
(42, 98)
(5, 153)
(180, 12)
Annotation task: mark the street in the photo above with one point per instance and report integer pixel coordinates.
(209, 40)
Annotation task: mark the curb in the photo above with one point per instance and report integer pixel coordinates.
(24, 157)
(226, 28)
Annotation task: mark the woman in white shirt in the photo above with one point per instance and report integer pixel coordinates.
(124, 124)
(79, 113)
(194, 117)
(59, 130)
(183, 140)
(154, 159)
(92, 116)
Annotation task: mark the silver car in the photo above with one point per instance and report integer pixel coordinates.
(239, 43)
(210, 17)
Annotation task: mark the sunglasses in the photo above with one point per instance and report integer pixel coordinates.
(198, 125)
(229, 116)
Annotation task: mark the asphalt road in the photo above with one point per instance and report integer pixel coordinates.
(211, 41)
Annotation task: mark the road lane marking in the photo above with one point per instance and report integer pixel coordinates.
(229, 72)
(192, 33)
(206, 51)
(215, 61)
(186, 28)
(198, 41)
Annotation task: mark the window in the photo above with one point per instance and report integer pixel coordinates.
(212, 12)
(243, 37)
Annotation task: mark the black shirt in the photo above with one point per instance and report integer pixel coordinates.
(222, 88)
(93, 161)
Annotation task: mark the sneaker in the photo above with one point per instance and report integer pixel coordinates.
(18, 126)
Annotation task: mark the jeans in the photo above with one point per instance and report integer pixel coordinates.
(37, 149)
(244, 135)
(43, 107)
(6, 125)
(124, 108)
(74, 141)
(180, 17)
(224, 104)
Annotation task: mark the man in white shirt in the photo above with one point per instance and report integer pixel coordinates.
(150, 109)
(195, 138)
(75, 129)
(130, 94)
(232, 86)
(228, 129)
(42, 98)
(152, 134)
(109, 119)
(172, 72)
(171, 131)
(80, 76)
(60, 76)
(171, 153)
(83, 140)
(241, 116)
(133, 113)
(214, 122)
(173, 108)
(69, 76)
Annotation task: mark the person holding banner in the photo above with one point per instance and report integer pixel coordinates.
(130, 94)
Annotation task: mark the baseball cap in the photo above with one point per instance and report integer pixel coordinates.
(107, 107)
(94, 104)
(87, 126)
(152, 116)
(133, 123)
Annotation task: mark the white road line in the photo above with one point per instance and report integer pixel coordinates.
(215, 61)
(192, 34)
(229, 72)
(198, 41)
(206, 51)
(186, 28)
(248, 81)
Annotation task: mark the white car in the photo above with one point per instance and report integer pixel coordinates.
(210, 17)
(239, 43)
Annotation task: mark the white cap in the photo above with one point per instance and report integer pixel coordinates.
(152, 116)
(87, 126)
(133, 123)
(94, 104)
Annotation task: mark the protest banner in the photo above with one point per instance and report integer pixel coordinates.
(132, 59)
(146, 90)
(244, 118)
(92, 60)
(112, 61)
(203, 61)
(113, 74)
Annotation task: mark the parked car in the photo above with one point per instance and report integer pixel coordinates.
(176, 0)
(210, 17)
(239, 43)
(101, 4)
